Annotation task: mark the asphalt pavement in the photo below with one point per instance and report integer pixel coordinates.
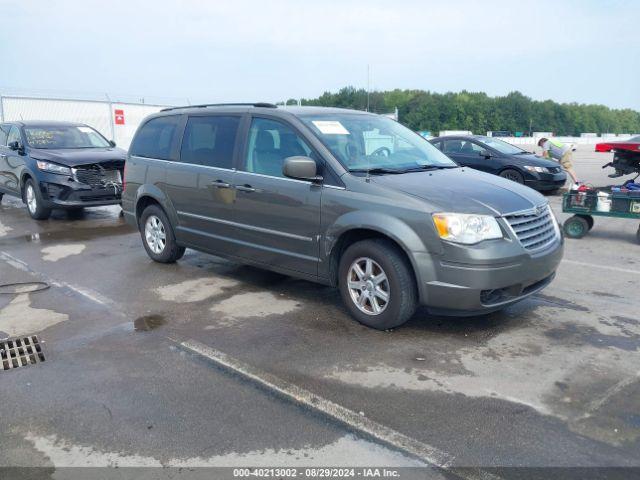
(551, 382)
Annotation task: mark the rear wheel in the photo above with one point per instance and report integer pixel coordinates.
(638, 235)
(1, 195)
(513, 175)
(377, 284)
(33, 199)
(157, 236)
(576, 227)
(589, 220)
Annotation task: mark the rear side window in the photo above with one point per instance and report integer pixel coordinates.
(155, 138)
(4, 132)
(210, 141)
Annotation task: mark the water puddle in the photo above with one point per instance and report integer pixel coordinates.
(147, 323)
(69, 235)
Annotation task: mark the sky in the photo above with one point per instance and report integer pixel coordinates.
(585, 51)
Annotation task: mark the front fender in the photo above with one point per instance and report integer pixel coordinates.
(387, 225)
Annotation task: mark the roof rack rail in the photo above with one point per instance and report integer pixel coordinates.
(205, 105)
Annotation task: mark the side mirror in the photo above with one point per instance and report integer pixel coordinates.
(485, 154)
(112, 143)
(14, 145)
(301, 168)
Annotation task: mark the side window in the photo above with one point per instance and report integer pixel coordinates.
(470, 148)
(14, 135)
(209, 141)
(438, 145)
(4, 132)
(155, 137)
(270, 142)
(452, 146)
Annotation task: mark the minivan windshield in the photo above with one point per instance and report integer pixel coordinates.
(64, 136)
(502, 146)
(375, 144)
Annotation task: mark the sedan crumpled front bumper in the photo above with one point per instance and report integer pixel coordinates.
(60, 191)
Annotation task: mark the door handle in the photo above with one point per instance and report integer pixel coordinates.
(221, 184)
(245, 188)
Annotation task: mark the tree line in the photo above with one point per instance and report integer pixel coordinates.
(479, 113)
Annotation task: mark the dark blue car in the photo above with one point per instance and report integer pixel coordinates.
(59, 165)
(501, 158)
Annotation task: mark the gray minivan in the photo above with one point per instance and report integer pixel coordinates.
(341, 197)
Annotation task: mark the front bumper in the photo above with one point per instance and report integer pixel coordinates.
(546, 181)
(485, 283)
(58, 191)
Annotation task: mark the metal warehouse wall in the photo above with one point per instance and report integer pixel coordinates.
(99, 115)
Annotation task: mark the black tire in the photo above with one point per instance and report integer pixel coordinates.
(576, 227)
(32, 197)
(170, 251)
(1, 195)
(589, 220)
(513, 175)
(638, 235)
(400, 283)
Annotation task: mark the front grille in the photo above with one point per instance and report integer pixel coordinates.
(19, 352)
(98, 177)
(535, 231)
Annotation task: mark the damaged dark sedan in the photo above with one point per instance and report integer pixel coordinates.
(51, 165)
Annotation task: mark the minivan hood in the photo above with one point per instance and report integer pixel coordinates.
(464, 190)
(78, 156)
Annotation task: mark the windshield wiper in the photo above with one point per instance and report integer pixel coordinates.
(422, 168)
(376, 170)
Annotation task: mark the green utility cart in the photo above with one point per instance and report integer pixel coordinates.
(585, 205)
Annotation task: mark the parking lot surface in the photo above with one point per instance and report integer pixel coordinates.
(552, 381)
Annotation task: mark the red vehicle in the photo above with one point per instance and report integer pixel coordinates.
(626, 156)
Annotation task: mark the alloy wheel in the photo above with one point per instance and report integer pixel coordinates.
(368, 286)
(155, 234)
(32, 202)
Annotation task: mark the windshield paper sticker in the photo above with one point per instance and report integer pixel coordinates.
(330, 127)
(85, 129)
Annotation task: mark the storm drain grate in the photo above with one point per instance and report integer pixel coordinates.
(19, 352)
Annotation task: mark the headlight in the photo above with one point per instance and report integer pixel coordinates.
(53, 168)
(537, 169)
(466, 229)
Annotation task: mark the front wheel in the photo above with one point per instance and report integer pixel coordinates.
(513, 175)
(34, 202)
(157, 236)
(377, 284)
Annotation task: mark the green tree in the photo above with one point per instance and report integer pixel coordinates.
(476, 111)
